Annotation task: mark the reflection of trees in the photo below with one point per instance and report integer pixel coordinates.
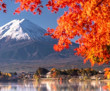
(50, 85)
(65, 86)
(86, 85)
(54, 85)
(5, 88)
(107, 86)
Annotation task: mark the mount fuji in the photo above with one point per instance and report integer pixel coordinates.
(22, 30)
(23, 46)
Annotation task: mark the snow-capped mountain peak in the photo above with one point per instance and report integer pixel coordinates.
(22, 30)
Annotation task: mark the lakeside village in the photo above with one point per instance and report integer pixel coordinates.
(52, 74)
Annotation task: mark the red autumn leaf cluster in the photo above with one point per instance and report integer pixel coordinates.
(29, 5)
(2, 6)
(88, 19)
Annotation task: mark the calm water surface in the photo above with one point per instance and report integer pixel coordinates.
(56, 86)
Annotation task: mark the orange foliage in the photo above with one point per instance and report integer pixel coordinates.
(29, 5)
(89, 19)
(53, 69)
(107, 73)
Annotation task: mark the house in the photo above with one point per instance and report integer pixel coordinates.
(48, 75)
(93, 78)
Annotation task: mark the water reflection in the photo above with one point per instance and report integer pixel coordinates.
(107, 86)
(56, 86)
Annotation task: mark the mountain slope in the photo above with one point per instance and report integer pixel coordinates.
(22, 30)
(23, 40)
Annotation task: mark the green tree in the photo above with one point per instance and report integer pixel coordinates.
(41, 71)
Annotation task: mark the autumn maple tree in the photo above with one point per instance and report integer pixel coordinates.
(88, 19)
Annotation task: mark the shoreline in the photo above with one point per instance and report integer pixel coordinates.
(56, 79)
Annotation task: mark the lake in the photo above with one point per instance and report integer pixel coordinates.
(56, 86)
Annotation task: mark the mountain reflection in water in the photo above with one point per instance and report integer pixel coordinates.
(56, 86)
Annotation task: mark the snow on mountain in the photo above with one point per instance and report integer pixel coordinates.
(22, 30)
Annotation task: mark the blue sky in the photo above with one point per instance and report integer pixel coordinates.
(45, 20)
